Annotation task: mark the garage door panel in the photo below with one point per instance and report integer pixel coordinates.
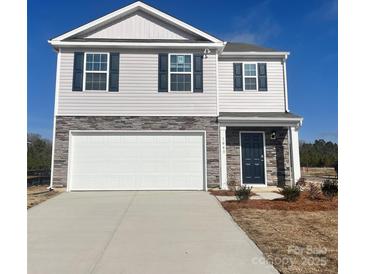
(144, 160)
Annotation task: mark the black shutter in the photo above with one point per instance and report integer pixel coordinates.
(198, 73)
(262, 76)
(114, 71)
(237, 77)
(163, 72)
(78, 72)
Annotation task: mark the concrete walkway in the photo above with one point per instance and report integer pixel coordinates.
(138, 232)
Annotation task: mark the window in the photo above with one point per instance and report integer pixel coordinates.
(250, 77)
(96, 71)
(180, 72)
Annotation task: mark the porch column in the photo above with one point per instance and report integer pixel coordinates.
(295, 153)
(223, 157)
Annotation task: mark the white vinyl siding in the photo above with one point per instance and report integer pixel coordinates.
(138, 89)
(140, 25)
(272, 100)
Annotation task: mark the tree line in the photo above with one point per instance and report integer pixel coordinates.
(318, 154)
(39, 152)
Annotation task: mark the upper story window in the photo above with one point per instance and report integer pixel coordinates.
(180, 72)
(96, 71)
(250, 77)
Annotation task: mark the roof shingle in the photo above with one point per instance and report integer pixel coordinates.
(244, 47)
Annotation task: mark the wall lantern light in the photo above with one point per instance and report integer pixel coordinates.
(273, 135)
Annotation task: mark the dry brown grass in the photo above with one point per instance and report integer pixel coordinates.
(302, 204)
(303, 241)
(39, 194)
(318, 171)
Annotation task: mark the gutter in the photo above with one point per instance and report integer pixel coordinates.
(284, 54)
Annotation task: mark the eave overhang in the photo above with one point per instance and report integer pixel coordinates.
(281, 54)
(261, 121)
(72, 44)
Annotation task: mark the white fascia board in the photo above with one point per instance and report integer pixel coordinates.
(130, 8)
(260, 124)
(284, 54)
(260, 121)
(69, 44)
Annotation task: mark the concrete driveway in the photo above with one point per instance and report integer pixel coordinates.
(138, 232)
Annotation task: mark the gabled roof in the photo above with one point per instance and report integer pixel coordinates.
(128, 10)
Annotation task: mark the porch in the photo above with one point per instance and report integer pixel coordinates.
(259, 149)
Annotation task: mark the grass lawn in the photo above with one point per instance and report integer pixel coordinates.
(296, 237)
(39, 194)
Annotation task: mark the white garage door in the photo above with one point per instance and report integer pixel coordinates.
(136, 161)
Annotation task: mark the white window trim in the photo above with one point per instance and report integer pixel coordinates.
(93, 71)
(181, 72)
(244, 77)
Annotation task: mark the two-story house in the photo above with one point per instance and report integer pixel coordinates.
(145, 101)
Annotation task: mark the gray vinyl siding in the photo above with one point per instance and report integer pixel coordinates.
(138, 90)
(140, 25)
(272, 100)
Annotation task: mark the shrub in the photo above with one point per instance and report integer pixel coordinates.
(243, 192)
(330, 188)
(314, 192)
(302, 183)
(290, 193)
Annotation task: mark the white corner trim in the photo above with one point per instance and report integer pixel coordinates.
(131, 8)
(217, 80)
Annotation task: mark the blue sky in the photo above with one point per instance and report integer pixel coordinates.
(308, 29)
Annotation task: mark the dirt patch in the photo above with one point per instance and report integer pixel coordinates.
(39, 194)
(302, 204)
(294, 242)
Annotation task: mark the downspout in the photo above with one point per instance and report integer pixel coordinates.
(55, 110)
(285, 84)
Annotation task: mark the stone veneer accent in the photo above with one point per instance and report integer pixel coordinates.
(66, 123)
(277, 155)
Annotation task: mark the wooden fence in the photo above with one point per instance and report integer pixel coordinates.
(38, 177)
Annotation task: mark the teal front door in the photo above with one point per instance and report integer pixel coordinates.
(252, 148)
